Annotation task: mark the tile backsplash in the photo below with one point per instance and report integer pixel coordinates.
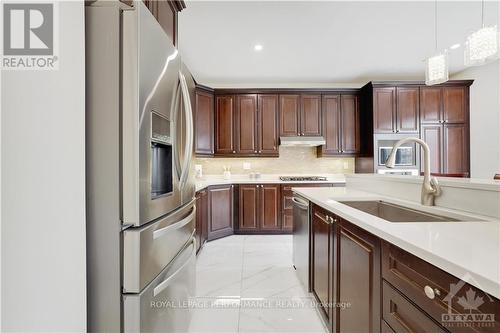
(292, 160)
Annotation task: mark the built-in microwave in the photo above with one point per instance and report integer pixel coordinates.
(405, 155)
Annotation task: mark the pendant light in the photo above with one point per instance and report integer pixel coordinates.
(436, 70)
(482, 45)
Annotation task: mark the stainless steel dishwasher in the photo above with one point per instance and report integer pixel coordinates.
(301, 247)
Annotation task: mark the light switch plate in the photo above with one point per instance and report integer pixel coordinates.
(247, 166)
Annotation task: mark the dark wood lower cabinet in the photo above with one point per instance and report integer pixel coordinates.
(201, 218)
(220, 210)
(258, 207)
(403, 316)
(324, 232)
(359, 280)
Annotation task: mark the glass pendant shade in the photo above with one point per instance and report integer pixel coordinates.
(481, 46)
(436, 69)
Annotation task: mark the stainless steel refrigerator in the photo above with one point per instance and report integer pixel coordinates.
(140, 177)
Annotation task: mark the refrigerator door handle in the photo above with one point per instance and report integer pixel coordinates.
(188, 149)
(175, 108)
(160, 232)
(165, 283)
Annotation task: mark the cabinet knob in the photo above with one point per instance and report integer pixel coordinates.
(260, 151)
(255, 151)
(234, 151)
(431, 292)
(397, 131)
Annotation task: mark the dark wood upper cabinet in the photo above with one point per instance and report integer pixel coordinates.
(350, 124)
(430, 104)
(407, 110)
(323, 262)
(259, 208)
(396, 110)
(204, 123)
(359, 280)
(224, 125)
(310, 115)
(248, 207)
(289, 115)
(269, 207)
(331, 125)
(384, 110)
(246, 124)
(220, 211)
(455, 102)
(341, 125)
(268, 125)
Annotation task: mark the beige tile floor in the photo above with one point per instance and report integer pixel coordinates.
(248, 284)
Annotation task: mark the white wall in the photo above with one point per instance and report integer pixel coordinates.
(484, 118)
(43, 189)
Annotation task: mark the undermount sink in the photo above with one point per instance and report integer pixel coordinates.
(395, 213)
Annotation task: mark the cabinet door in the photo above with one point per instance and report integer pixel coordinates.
(268, 125)
(383, 110)
(430, 105)
(246, 124)
(289, 115)
(454, 105)
(407, 110)
(455, 152)
(269, 207)
(331, 125)
(322, 261)
(433, 135)
(359, 280)
(310, 115)
(224, 125)
(204, 123)
(248, 207)
(220, 199)
(350, 124)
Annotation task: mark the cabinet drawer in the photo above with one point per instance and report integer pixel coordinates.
(412, 276)
(403, 316)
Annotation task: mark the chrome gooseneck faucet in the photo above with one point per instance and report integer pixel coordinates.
(430, 186)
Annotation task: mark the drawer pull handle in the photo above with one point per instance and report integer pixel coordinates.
(431, 292)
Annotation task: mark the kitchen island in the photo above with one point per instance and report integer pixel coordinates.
(400, 275)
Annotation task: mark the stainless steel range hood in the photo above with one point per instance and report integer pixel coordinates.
(302, 141)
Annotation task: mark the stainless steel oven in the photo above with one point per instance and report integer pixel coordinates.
(405, 156)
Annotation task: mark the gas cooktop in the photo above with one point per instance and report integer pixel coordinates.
(302, 178)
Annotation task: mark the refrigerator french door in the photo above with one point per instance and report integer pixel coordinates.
(139, 172)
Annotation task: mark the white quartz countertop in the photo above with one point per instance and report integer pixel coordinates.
(467, 250)
(205, 181)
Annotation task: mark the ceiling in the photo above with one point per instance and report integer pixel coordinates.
(321, 43)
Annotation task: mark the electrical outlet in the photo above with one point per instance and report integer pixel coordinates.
(346, 165)
(247, 166)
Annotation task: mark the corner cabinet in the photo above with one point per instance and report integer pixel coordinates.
(220, 211)
(340, 125)
(224, 125)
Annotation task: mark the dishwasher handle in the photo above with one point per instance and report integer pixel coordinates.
(300, 203)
